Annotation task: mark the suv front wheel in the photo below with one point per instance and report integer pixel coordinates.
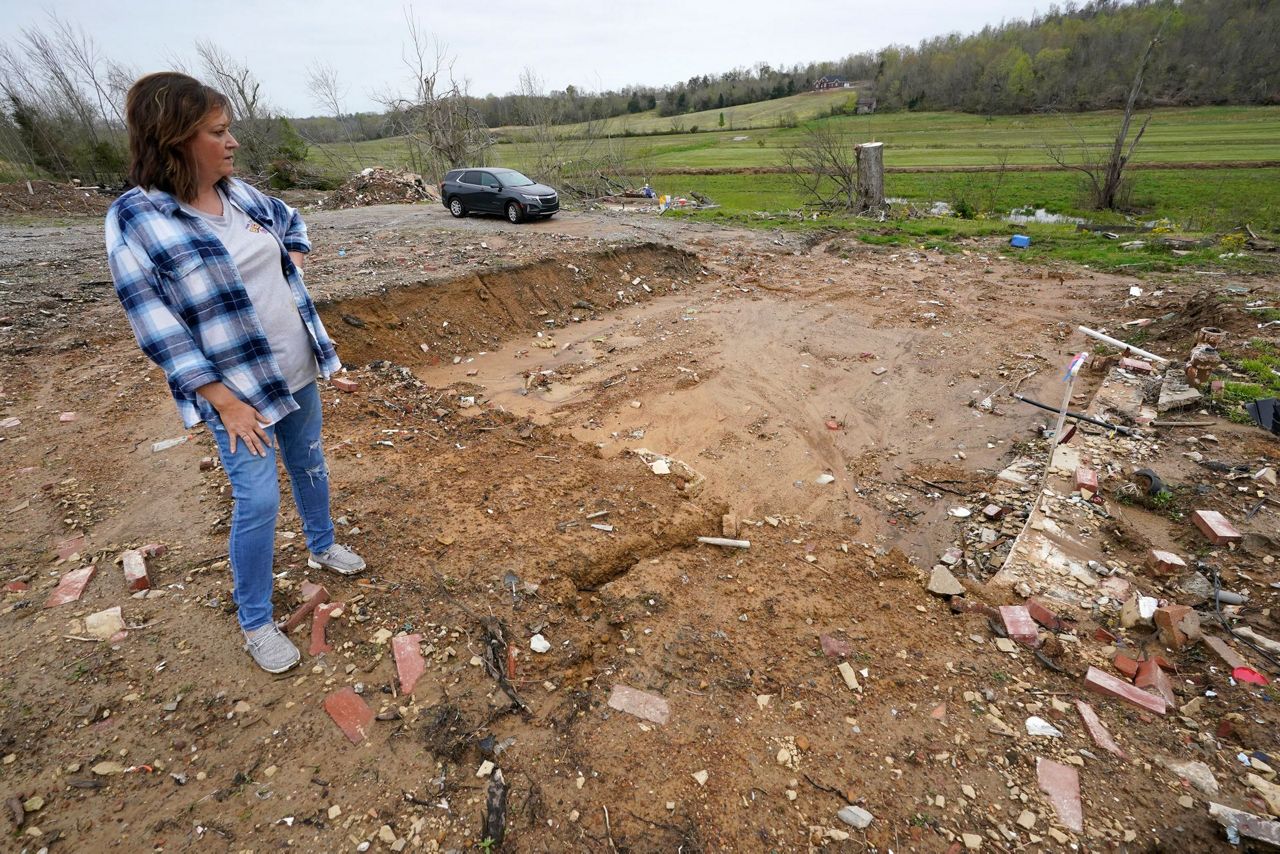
(456, 208)
(514, 212)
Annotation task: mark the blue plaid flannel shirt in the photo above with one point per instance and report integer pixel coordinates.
(188, 306)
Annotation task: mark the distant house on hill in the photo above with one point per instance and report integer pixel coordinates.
(828, 82)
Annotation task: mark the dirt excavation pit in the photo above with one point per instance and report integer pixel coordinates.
(526, 455)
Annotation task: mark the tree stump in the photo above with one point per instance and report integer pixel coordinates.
(870, 177)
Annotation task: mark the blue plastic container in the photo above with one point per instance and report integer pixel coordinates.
(1020, 241)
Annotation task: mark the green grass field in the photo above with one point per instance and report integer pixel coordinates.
(1197, 199)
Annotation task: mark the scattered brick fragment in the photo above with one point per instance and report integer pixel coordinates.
(1104, 683)
(324, 612)
(1126, 665)
(1216, 527)
(17, 586)
(409, 663)
(154, 550)
(1136, 366)
(1165, 563)
(994, 512)
(1101, 634)
(344, 384)
(1179, 626)
(1151, 677)
(649, 707)
(207, 464)
(71, 586)
(1019, 625)
(1062, 784)
(67, 417)
(350, 712)
(135, 571)
(1097, 729)
(1087, 481)
(1043, 615)
(312, 595)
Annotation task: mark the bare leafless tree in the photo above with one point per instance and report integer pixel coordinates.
(1104, 168)
(327, 92)
(824, 167)
(442, 126)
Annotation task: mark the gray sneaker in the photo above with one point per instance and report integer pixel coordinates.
(273, 652)
(338, 558)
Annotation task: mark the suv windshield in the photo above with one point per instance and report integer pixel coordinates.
(512, 178)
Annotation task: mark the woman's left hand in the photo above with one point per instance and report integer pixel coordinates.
(298, 259)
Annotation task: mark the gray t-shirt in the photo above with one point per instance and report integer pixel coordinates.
(256, 254)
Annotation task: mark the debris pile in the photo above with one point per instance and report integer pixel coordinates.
(378, 186)
(52, 197)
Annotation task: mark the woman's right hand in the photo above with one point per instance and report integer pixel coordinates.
(242, 422)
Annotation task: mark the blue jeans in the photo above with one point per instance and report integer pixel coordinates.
(255, 487)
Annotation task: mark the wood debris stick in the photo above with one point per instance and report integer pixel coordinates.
(725, 542)
(933, 484)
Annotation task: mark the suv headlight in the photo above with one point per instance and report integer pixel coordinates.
(528, 198)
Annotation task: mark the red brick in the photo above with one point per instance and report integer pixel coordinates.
(1151, 677)
(1136, 366)
(1062, 784)
(312, 595)
(344, 384)
(1229, 656)
(1179, 626)
(409, 663)
(154, 550)
(71, 586)
(1165, 563)
(1043, 615)
(1104, 683)
(207, 464)
(17, 587)
(1019, 625)
(1087, 481)
(960, 605)
(135, 570)
(1101, 634)
(1097, 729)
(324, 612)
(1215, 527)
(1126, 665)
(351, 713)
(994, 512)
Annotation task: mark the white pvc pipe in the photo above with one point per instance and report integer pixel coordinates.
(1107, 339)
(727, 543)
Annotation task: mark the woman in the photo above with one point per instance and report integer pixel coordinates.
(209, 271)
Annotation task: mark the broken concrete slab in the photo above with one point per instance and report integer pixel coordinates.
(71, 586)
(1175, 392)
(407, 651)
(943, 583)
(1216, 527)
(1098, 730)
(1102, 682)
(350, 712)
(1196, 773)
(135, 570)
(1061, 783)
(642, 704)
(104, 625)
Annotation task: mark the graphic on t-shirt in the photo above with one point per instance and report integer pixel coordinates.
(253, 227)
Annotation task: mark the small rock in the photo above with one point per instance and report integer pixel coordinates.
(1027, 820)
(972, 841)
(485, 769)
(701, 777)
(334, 812)
(35, 803)
(943, 583)
(386, 834)
(107, 768)
(539, 644)
(855, 817)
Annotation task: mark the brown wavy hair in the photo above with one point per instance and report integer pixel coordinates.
(162, 113)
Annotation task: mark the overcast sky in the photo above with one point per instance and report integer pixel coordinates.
(591, 44)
